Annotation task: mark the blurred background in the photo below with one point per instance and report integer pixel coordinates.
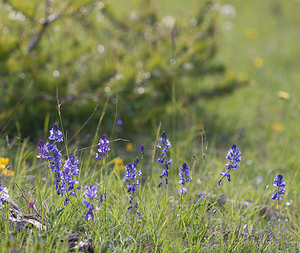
(229, 67)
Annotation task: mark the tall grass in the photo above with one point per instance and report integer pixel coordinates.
(207, 218)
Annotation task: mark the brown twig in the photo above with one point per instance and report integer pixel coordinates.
(27, 200)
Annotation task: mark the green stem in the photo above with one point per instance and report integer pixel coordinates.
(180, 210)
(203, 197)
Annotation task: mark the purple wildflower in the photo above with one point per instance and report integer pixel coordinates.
(182, 190)
(119, 122)
(131, 178)
(234, 159)
(68, 177)
(65, 179)
(164, 144)
(43, 149)
(279, 183)
(55, 163)
(103, 146)
(55, 134)
(142, 149)
(185, 176)
(89, 215)
(91, 193)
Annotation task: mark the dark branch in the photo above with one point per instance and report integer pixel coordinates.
(49, 19)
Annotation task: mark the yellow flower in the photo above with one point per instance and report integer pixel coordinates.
(277, 127)
(252, 33)
(117, 161)
(129, 147)
(283, 95)
(258, 62)
(119, 165)
(6, 172)
(3, 162)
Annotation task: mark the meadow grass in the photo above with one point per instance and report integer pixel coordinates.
(261, 45)
(208, 217)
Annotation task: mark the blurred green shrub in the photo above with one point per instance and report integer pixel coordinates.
(87, 52)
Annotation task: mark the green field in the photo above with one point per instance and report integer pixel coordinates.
(258, 43)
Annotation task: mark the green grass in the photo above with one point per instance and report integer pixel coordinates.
(169, 222)
(246, 118)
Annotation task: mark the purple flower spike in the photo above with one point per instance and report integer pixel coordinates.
(164, 144)
(279, 183)
(65, 178)
(185, 176)
(56, 134)
(89, 214)
(91, 193)
(43, 149)
(103, 146)
(234, 159)
(183, 190)
(68, 177)
(142, 149)
(131, 177)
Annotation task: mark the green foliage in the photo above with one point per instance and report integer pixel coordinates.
(140, 59)
(170, 222)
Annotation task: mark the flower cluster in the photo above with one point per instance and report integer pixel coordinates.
(234, 159)
(164, 144)
(68, 177)
(279, 183)
(3, 162)
(43, 149)
(131, 178)
(103, 146)
(90, 193)
(52, 154)
(185, 176)
(64, 179)
(4, 167)
(55, 134)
